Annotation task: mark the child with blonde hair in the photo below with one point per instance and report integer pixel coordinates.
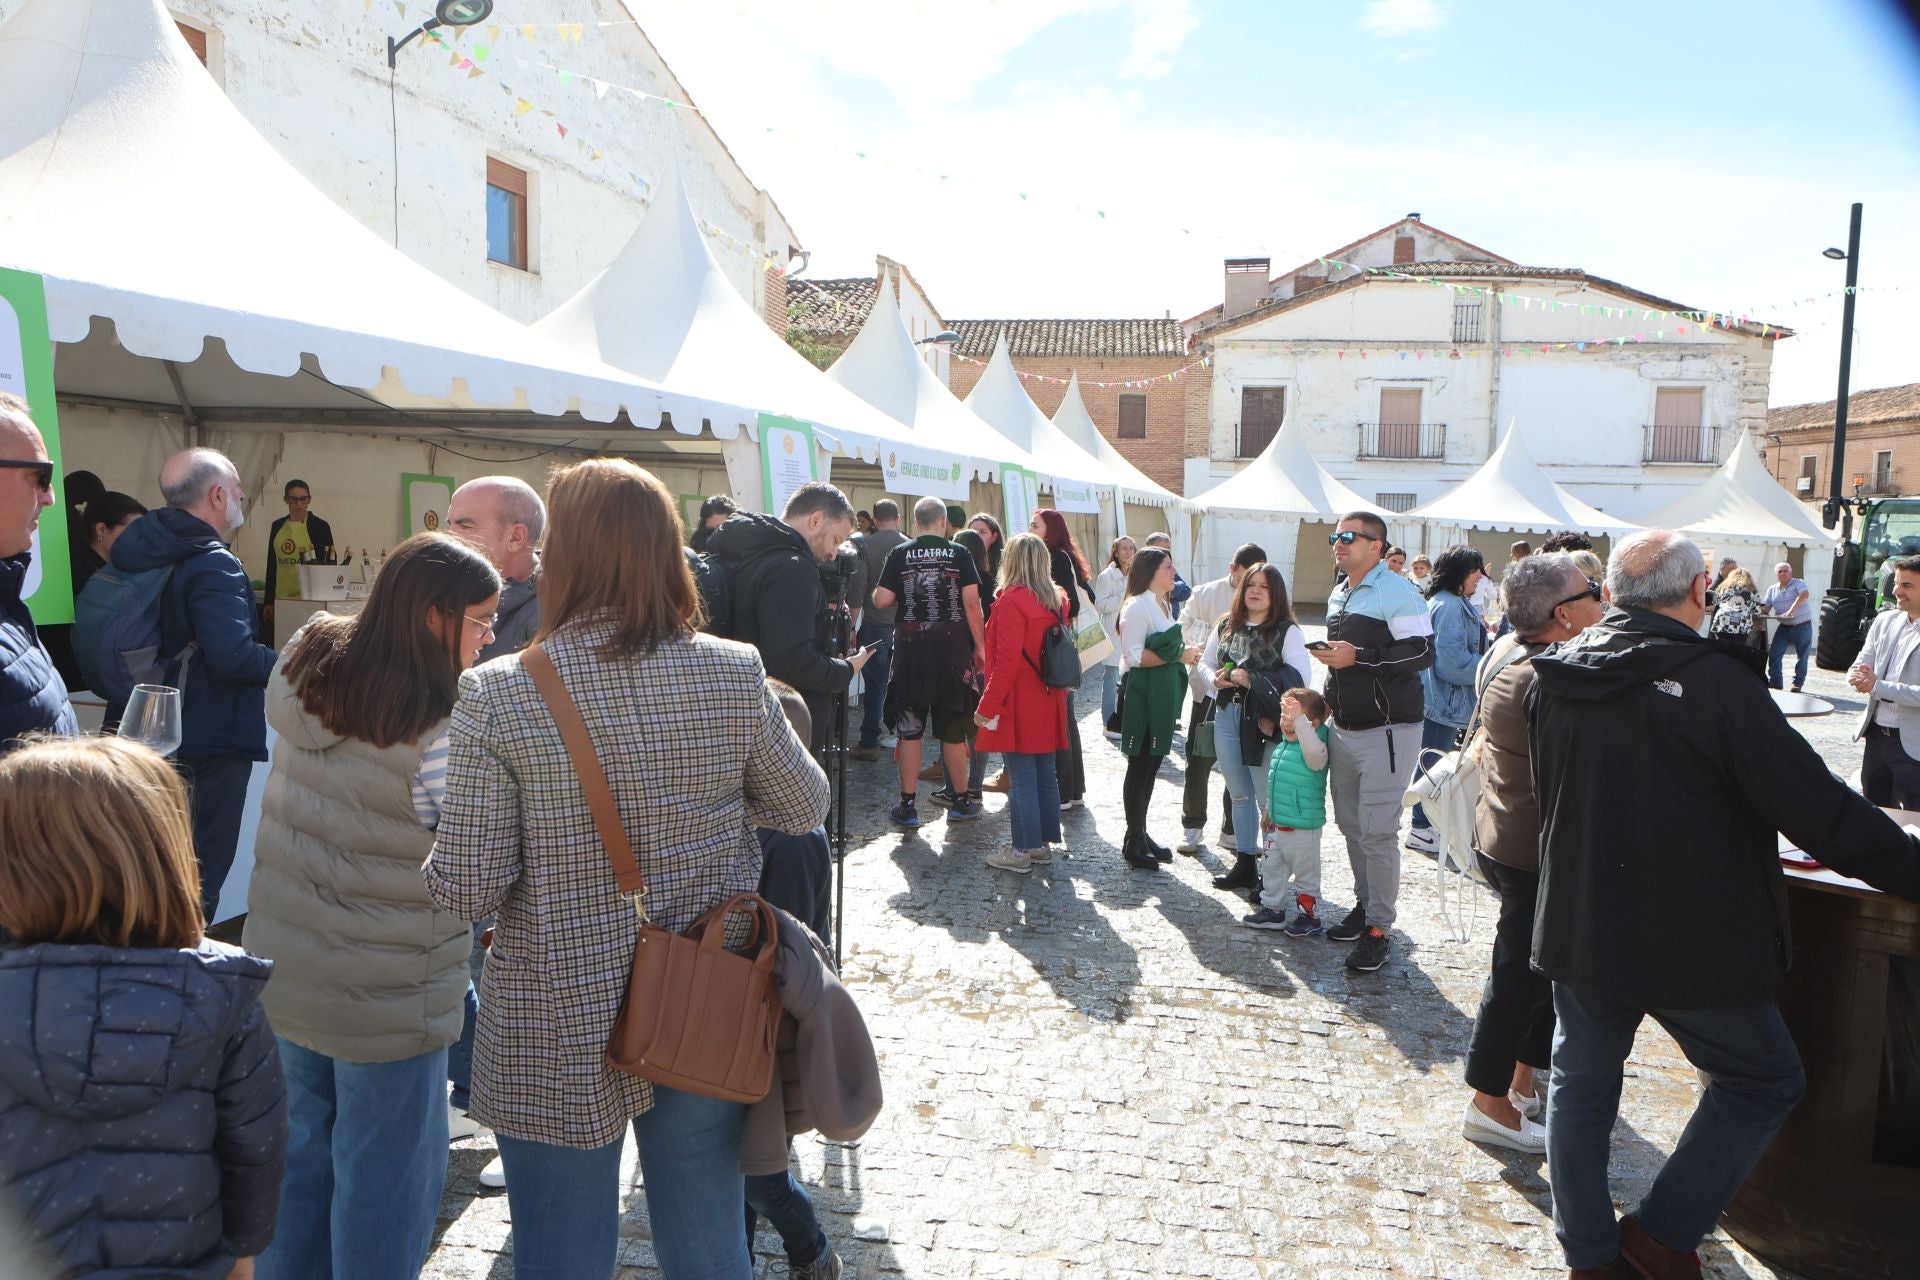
(1296, 814)
(143, 1122)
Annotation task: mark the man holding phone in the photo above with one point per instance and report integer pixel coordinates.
(1380, 638)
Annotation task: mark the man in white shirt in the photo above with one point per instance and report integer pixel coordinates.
(1888, 672)
(1787, 601)
(1201, 614)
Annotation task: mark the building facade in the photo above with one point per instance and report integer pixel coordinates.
(1402, 358)
(824, 315)
(1883, 445)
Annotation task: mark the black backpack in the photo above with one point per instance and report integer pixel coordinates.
(1059, 665)
(710, 579)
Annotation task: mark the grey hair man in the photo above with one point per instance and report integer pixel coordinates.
(504, 519)
(1663, 771)
(207, 639)
(1548, 598)
(33, 697)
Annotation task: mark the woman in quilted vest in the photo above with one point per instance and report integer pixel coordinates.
(696, 753)
(370, 974)
(1019, 715)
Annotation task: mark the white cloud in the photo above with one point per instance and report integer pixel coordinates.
(1402, 17)
(1160, 28)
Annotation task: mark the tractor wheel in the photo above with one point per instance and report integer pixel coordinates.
(1841, 632)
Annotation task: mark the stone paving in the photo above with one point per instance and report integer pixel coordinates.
(1093, 1071)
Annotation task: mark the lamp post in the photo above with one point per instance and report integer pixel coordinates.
(1837, 509)
(447, 13)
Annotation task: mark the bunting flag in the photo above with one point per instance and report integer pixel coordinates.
(1136, 383)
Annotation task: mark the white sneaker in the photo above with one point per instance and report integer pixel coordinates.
(1191, 840)
(1043, 853)
(888, 741)
(1531, 1138)
(459, 1124)
(1423, 840)
(1527, 1105)
(1010, 860)
(1111, 735)
(1228, 842)
(495, 1174)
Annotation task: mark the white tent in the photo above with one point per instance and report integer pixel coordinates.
(664, 309)
(882, 367)
(147, 201)
(1135, 486)
(1286, 502)
(1741, 511)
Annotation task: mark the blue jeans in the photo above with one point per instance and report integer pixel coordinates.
(873, 679)
(565, 1201)
(1434, 736)
(1110, 674)
(217, 786)
(1246, 784)
(782, 1201)
(1800, 636)
(1755, 1081)
(366, 1161)
(460, 1053)
(1033, 798)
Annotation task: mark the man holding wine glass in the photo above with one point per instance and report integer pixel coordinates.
(32, 695)
(208, 647)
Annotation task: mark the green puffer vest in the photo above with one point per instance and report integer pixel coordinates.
(1296, 792)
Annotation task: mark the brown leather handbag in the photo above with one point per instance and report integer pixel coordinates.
(696, 1016)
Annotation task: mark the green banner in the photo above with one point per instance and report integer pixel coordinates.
(26, 370)
(1021, 489)
(786, 459)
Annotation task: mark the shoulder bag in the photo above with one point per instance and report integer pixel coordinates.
(696, 1016)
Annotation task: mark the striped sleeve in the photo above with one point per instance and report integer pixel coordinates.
(430, 783)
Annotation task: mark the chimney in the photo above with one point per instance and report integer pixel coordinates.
(1403, 250)
(1246, 285)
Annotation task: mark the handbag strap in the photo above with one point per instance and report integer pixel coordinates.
(593, 779)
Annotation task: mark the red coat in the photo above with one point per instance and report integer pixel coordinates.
(1033, 718)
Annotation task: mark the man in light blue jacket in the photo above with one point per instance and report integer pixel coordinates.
(1459, 638)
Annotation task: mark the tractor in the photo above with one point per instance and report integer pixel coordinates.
(1862, 582)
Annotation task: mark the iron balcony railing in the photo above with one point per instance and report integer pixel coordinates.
(1680, 445)
(1425, 440)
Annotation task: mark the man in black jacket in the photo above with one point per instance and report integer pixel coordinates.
(773, 568)
(1663, 771)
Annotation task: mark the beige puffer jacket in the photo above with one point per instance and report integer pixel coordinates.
(366, 968)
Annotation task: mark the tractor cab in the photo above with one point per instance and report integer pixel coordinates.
(1863, 577)
(1891, 532)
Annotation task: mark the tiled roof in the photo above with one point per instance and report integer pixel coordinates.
(1883, 404)
(1504, 270)
(1095, 338)
(829, 308)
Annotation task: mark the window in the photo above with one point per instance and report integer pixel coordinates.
(1399, 423)
(1396, 502)
(507, 215)
(1261, 409)
(1883, 471)
(1466, 321)
(1809, 480)
(1676, 435)
(1133, 417)
(196, 40)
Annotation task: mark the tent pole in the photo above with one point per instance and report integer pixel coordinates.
(196, 432)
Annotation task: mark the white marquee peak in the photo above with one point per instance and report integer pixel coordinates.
(1510, 493)
(1285, 479)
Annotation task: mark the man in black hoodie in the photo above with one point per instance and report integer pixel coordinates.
(1663, 771)
(779, 605)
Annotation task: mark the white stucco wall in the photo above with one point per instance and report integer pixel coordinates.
(1583, 412)
(311, 76)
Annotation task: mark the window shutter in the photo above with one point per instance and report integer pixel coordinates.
(1261, 411)
(196, 40)
(504, 176)
(1133, 417)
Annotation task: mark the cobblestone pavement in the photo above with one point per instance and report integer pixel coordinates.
(1093, 1071)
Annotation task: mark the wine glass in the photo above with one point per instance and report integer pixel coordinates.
(153, 717)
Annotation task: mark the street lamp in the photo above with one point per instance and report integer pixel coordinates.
(1836, 509)
(944, 338)
(447, 13)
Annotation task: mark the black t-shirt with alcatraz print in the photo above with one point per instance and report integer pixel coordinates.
(930, 575)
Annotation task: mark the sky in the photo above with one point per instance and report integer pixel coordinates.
(1083, 158)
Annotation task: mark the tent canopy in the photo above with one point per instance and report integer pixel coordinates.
(1000, 399)
(1743, 501)
(664, 310)
(1077, 425)
(1284, 480)
(120, 158)
(1510, 493)
(883, 368)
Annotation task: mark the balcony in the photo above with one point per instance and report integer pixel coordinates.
(1679, 446)
(1409, 440)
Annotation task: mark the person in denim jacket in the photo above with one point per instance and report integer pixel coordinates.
(1459, 638)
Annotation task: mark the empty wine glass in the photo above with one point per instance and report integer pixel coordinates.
(153, 717)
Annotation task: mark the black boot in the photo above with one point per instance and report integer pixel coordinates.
(1243, 875)
(1159, 851)
(1136, 854)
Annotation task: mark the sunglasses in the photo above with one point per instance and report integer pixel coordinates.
(1345, 537)
(1591, 593)
(44, 478)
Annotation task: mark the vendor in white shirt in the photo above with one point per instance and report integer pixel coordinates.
(1888, 672)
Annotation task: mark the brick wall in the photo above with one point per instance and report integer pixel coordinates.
(1901, 438)
(1169, 431)
(776, 306)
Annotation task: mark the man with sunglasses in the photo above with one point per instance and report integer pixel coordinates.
(33, 698)
(1380, 638)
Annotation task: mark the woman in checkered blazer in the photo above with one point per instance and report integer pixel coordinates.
(697, 753)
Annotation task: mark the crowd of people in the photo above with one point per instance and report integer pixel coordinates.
(296, 1109)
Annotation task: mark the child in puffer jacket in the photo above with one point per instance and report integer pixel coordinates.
(143, 1121)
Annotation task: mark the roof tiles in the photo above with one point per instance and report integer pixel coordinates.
(1074, 338)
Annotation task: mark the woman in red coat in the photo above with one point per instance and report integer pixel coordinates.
(1019, 716)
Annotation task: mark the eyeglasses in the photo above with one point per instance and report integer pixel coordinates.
(45, 469)
(1345, 537)
(485, 624)
(299, 497)
(1591, 593)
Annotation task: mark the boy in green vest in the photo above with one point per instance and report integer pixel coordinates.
(1296, 811)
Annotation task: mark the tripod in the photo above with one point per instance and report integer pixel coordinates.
(833, 758)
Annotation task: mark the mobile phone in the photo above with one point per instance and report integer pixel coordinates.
(1318, 644)
(869, 648)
